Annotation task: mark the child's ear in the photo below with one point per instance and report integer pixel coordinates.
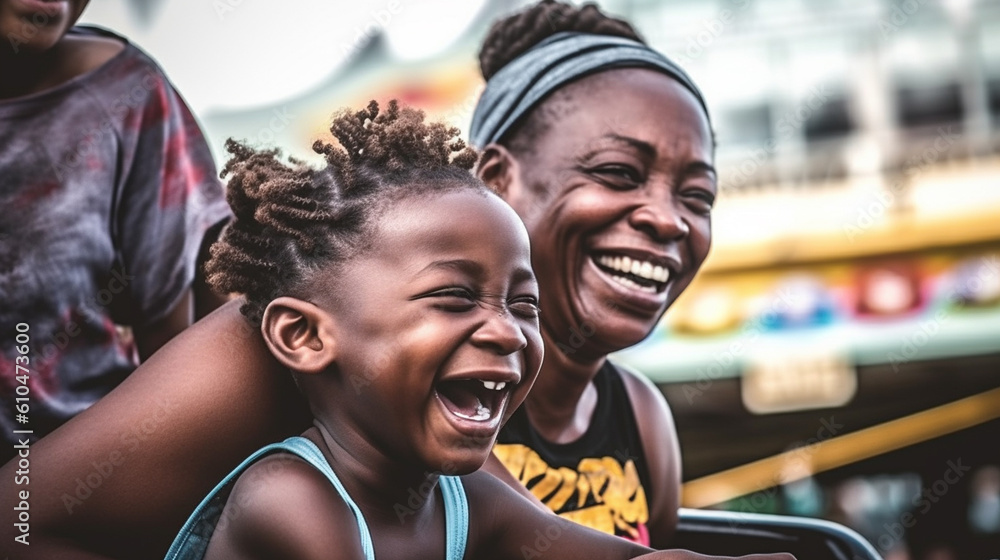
(499, 170)
(299, 334)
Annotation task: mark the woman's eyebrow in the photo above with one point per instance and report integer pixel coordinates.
(697, 167)
(644, 148)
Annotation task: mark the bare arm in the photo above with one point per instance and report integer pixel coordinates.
(120, 479)
(505, 525)
(663, 455)
(150, 338)
(282, 507)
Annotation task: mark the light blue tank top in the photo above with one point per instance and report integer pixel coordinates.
(192, 542)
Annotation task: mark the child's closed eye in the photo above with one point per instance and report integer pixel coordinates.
(454, 299)
(525, 306)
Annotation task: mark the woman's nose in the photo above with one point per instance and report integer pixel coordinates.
(660, 220)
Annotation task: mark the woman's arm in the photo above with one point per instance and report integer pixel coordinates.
(662, 452)
(506, 525)
(120, 479)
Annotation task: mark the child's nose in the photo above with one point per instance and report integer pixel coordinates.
(500, 332)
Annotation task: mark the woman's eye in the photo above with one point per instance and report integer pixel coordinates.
(700, 201)
(620, 177)
(525, 307)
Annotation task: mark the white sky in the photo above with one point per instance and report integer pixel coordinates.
(235, 54)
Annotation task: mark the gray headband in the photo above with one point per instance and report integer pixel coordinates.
(520, 85)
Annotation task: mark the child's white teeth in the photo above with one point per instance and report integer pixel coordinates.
(482, 413)
(642, 269)
(494, 385)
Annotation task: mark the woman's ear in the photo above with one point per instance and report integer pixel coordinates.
(299, 334)
(498, 168)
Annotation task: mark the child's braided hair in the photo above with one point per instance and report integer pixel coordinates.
(291, 219)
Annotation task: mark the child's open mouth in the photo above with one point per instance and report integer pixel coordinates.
(474, 403)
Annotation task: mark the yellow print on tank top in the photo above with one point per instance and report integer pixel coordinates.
(601, 493)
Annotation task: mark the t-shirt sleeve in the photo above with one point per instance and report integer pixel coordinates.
(168, 194)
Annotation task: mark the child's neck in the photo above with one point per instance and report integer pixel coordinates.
(27, 73)
(382, 487)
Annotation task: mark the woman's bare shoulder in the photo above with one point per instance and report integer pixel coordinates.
(150, 450)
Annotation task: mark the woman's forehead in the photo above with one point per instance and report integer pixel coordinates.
(625, 103)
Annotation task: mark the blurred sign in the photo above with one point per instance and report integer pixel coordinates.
(783, 383)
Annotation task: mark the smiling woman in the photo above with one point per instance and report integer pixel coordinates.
(604, 148)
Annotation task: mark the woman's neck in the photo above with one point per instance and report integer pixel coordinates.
(563, 398)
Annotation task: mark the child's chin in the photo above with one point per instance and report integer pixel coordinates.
(462, 463)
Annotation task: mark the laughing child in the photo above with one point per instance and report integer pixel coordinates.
(398, 291)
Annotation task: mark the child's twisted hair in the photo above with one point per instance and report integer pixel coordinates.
(291, 219)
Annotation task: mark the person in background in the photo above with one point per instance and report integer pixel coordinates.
(604, 147)
(109, 196)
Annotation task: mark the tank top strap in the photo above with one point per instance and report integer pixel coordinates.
(192, 541)
(456, 516)
(308, 451)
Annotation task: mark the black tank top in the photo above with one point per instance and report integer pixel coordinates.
(598, 480)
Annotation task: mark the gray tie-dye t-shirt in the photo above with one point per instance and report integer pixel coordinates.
(107, 187)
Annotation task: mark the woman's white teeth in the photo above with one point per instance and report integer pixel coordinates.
(631, 284)
(494, 385)
(642, 269)
(482, 413)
